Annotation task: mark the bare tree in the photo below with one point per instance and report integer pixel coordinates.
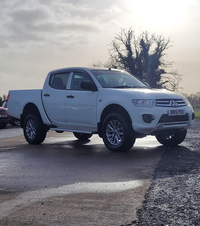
(143, 56)
(107, 64)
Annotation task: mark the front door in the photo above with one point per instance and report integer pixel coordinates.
(81, 105)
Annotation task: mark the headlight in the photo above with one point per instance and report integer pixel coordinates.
(144, 103)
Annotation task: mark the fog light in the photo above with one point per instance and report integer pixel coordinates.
(148, 118)
(193, 116)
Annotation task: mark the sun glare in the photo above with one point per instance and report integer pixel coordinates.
(159, 13)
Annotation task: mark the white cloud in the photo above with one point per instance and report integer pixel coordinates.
(39, 25)
(30, 22)
(30, 15)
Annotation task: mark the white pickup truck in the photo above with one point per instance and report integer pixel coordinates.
(108, 102)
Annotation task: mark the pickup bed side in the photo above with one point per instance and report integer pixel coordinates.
(24, 102)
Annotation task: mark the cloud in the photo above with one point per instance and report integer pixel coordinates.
(30, 15)
(65, 9)
(42, 24)
(56, 23)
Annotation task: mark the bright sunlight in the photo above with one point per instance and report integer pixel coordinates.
(160, 13)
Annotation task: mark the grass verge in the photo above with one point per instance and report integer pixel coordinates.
(197, 114)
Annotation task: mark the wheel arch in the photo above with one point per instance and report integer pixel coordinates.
(29, 108)
(113, 108)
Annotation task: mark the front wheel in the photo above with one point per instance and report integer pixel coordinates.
(172, 139)
(15, 122)
(117, 133)
(82, 136)
(34, 129)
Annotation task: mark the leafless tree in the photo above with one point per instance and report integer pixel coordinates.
(143, 56)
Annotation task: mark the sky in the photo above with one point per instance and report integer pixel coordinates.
(37, 36)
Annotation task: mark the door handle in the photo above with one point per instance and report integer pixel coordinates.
(70, 96)
(47, 95)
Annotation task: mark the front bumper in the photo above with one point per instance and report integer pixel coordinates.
(4, 120)
(161, 121)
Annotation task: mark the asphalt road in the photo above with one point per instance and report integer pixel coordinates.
(67, 182)
(10, 131)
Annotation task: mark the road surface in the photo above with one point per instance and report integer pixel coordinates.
(68, 182)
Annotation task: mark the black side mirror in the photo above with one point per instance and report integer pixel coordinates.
(88, 85)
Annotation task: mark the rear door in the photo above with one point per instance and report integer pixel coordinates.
(54, 96)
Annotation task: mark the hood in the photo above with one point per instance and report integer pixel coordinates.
(142, 93)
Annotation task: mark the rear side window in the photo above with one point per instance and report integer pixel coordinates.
(59, 81)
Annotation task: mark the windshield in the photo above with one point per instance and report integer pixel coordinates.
(117, 79)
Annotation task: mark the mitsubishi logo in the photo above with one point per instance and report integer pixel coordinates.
(174, 103)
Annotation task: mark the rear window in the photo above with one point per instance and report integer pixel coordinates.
(59, 81)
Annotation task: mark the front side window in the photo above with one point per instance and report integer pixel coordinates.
(77, 78)
(59, 81)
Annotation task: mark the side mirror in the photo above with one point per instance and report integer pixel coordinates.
(88, 85)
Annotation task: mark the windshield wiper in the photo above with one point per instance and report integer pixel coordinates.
(123, 86)
(139, 87)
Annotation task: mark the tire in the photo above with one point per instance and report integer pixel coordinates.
(82, 136)
(172, 139)
(117, 133)
(15, 122)
(3, 125)
(34, 129)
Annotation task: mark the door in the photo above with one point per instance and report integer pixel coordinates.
(81, 104)
(54, 95)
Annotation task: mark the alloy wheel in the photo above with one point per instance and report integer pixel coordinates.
(31, 129)
(114, 132)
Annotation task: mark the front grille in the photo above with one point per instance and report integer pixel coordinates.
(179, 118)
(170, 103)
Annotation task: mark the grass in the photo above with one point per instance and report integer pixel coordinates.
(197, 113)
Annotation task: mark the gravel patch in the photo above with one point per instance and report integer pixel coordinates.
(174, 196)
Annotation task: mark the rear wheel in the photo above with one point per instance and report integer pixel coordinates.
(172, 139)
(117, 133)
(82, 136)
(34, 129)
